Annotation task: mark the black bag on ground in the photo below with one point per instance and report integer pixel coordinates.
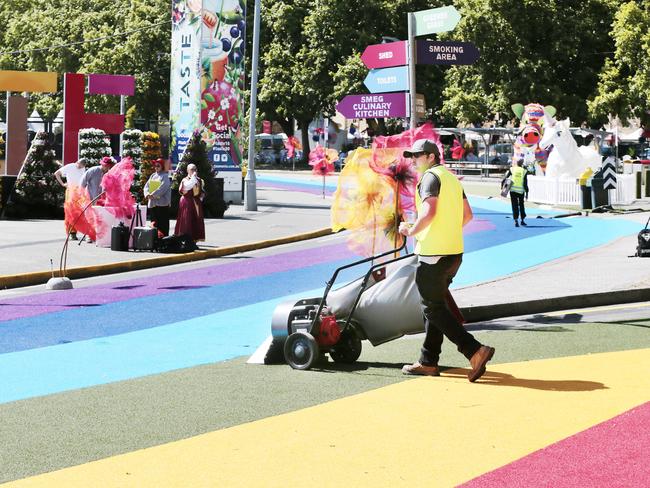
(643, 247)
(144, 238)
(176, 244)
(120, 237)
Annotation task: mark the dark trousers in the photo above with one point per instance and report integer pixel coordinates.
(517, 201)
(160, 215)
(433, 281)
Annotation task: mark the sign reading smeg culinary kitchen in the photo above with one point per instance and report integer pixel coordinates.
(376, 105)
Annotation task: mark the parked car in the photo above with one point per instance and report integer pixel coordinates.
(270, 147)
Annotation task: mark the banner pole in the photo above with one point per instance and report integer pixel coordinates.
(250, 185)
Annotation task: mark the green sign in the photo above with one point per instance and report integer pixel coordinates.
(435, 20)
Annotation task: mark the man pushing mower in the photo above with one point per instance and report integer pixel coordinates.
(442, 211)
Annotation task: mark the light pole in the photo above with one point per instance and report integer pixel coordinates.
(250, 184)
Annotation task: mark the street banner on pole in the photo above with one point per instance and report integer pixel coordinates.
(385, 55)
(207, 81)
(446, 52)
(436, 20)
(375, 106)
(387, 80)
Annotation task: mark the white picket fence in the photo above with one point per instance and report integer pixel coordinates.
(566, 191)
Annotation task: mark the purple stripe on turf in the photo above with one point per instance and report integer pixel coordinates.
(614, 453)
(41, 303)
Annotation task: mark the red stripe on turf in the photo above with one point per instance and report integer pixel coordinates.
(611, 454)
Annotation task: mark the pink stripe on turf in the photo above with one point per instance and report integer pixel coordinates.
(611, 454)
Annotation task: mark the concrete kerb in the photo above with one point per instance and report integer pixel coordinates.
(41, 277)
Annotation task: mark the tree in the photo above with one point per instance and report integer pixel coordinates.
(624, 82)
(532, 51)
(197, 153)
(37, 192)
(33, 29)
(311, 54)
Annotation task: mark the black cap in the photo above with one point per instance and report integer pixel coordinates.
(422, 146)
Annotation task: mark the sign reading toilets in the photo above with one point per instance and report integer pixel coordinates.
(207, 82)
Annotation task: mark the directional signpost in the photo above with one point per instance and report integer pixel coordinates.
(377, 106)
(385, 55)
(387, 79)
(392, 67)
(446, 52)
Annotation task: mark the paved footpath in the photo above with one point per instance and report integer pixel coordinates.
(141, 380)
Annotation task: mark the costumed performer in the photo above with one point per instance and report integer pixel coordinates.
(189, 220)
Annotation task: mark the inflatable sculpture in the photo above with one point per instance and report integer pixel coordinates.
(533, 117)
(567, 160)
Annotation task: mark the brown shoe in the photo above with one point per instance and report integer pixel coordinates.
(421, 369)
(478, 362)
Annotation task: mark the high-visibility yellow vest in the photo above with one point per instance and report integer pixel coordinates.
(517, 179)
(444, 236)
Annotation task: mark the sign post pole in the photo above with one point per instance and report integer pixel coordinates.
(250, 183)
(411, 59)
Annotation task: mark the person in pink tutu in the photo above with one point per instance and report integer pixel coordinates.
(189, 220)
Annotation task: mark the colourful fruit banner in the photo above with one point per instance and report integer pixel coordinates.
(185, 77)
(208, 75)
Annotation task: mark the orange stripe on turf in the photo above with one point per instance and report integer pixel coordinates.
(426, 431)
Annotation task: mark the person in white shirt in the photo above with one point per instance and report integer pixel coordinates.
(72, 172)
(158, 192)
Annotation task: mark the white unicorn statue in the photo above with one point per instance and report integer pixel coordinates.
(567, 159)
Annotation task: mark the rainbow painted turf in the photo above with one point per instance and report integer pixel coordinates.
(51, 343)
(203, 307)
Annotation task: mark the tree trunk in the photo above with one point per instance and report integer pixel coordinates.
(304, 131)
(287, 126)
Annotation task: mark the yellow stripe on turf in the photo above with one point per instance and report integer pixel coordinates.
(422, 432)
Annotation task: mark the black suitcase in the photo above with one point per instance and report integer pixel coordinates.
(120, 237)
(144, 238)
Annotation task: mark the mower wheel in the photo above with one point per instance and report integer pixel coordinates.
(348, 349)
(301, 350)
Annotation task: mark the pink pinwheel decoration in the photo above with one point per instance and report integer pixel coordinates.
(322, 167)
(322, 162)
(291, 144)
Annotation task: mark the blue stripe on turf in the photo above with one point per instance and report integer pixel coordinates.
(237, 331)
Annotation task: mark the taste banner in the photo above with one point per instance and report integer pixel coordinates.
(207, 81)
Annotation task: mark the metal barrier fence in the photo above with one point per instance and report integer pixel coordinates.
(478, 169)
(566, 191)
